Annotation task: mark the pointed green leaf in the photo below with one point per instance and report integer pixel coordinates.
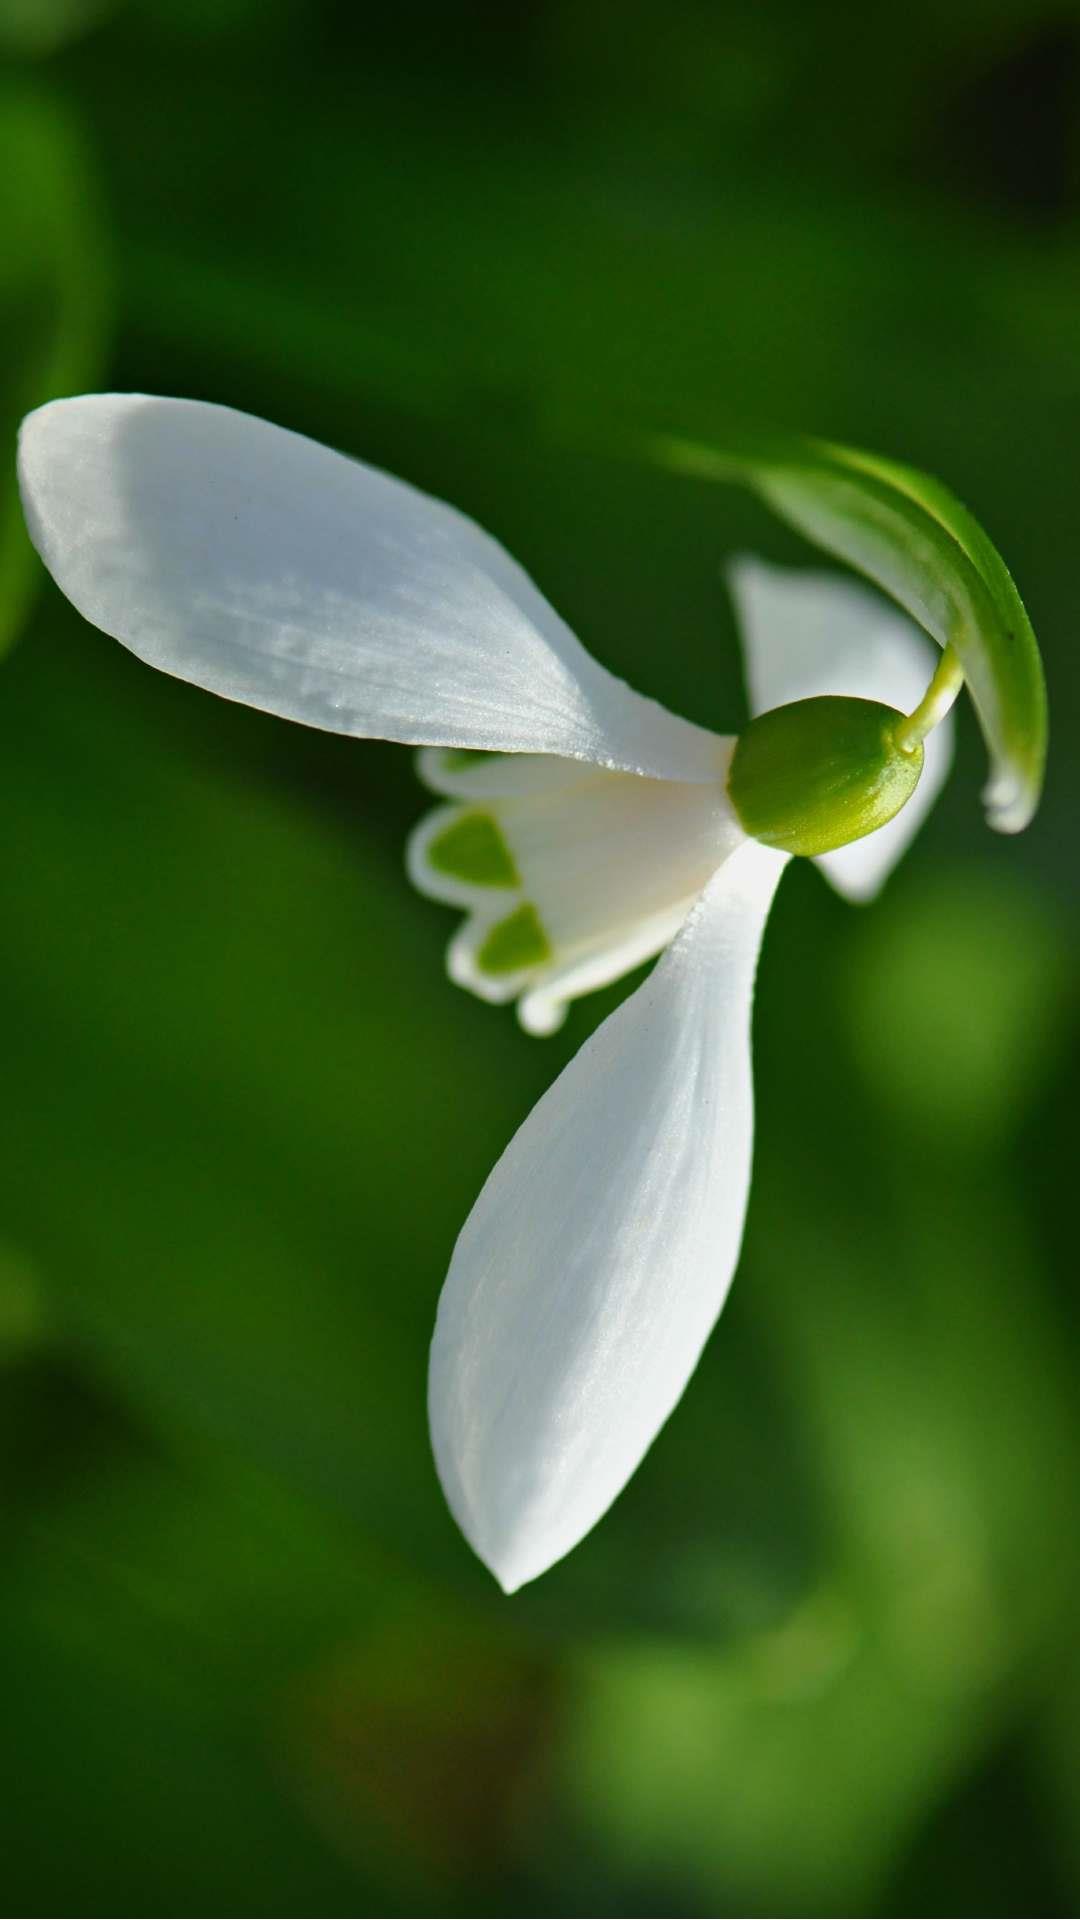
(908, 534)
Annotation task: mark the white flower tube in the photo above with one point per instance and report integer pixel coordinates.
(569, 874)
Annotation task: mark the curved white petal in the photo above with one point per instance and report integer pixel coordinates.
(600, 1251)
(266, 568)
(808, 633)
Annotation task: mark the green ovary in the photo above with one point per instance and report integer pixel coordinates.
(819, 773)
(471, 848)
(515, 943)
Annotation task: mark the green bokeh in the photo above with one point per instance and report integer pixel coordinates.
(822, 1656)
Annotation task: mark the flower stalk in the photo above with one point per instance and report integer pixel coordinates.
(935, 703)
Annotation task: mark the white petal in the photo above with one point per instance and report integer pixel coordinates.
(808, 633)
(596, 1260)
(265, 567)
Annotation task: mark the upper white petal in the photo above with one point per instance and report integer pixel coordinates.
(807, 633)
(265, 567)
(600, 1251)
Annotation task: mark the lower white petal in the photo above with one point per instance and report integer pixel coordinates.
(807, 633)
(600, 1251)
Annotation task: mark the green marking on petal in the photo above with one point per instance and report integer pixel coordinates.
(517, 942)
(472, 848)
(460, 759)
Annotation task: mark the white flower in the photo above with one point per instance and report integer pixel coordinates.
(598, 833)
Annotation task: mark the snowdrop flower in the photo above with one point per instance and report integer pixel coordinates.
(582, 830)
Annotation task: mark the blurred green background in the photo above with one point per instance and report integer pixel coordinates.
(822, 1656)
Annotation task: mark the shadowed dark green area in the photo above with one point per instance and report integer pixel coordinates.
(822, 1656)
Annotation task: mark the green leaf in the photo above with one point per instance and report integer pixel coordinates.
(52, 299)
(908, 534)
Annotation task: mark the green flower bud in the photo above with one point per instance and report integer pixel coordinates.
(820, 773)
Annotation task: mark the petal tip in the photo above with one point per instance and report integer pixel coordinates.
(1010, 804)
(541, 1015)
